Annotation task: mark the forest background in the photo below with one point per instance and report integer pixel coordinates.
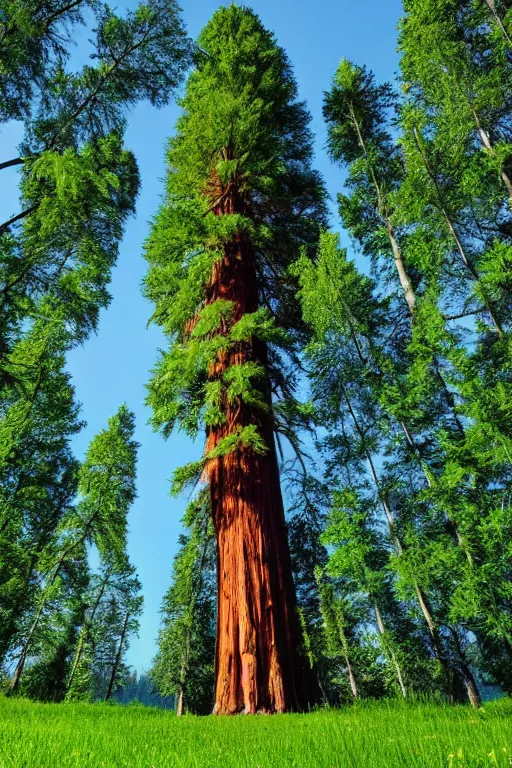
(112, 366)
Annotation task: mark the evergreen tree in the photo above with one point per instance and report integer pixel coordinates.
(241, 200)
(78, 185)
(106, 488)
(183, 666)
(38, 472)
(118, 621)
(356, 377)
(357, 111)
(111, 600)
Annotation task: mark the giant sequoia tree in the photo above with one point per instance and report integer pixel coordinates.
(241, 201)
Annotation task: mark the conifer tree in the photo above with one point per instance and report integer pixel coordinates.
(106, 488)
(118, 621)
(357, 111)
(78, 182)
(112, 598)
(38, 472)
(184, 664)
(241, 200)
(356, 376)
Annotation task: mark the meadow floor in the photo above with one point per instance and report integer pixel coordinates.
(364, 736)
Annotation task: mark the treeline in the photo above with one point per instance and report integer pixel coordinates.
(390, 574)
(399, 517)
(65, 628)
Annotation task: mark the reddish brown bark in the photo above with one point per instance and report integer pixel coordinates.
(258, 667)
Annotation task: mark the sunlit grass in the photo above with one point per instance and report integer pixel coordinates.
(374, 734)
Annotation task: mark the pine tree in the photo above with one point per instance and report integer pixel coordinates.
(184, 664)
(78, 182)
(106, 488)
(121, 620)
(356, 377)
(38, 472)
(241, 200)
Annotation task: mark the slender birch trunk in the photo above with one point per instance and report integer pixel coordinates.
(423, 602)
(405, 281)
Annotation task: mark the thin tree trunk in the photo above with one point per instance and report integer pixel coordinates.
(117, 661)
(346, 650)
(400, 548)
(497, 18)
(20, 666)
(85, 630)
(383, 634)
(451, 227)
(487, 144)
(258, 667)
(351, 678)
(405, 281)
(451, 524)
(465, 671)
(180, 701)
(18, 672)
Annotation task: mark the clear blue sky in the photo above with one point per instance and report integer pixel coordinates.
(113, 366)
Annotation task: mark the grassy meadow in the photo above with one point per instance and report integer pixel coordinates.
(382, 735)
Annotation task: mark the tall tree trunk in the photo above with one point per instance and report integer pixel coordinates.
(404, 278)
(119, 654)
(387, 649)
(401, 548)
(258, 667)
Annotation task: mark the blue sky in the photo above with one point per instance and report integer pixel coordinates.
(113, 366)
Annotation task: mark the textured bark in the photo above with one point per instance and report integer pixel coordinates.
(258, 667)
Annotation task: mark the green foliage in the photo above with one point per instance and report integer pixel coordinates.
(255, 140)
(183, 666)
(106, 487)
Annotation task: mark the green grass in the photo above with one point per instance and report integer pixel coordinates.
(373, 734)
